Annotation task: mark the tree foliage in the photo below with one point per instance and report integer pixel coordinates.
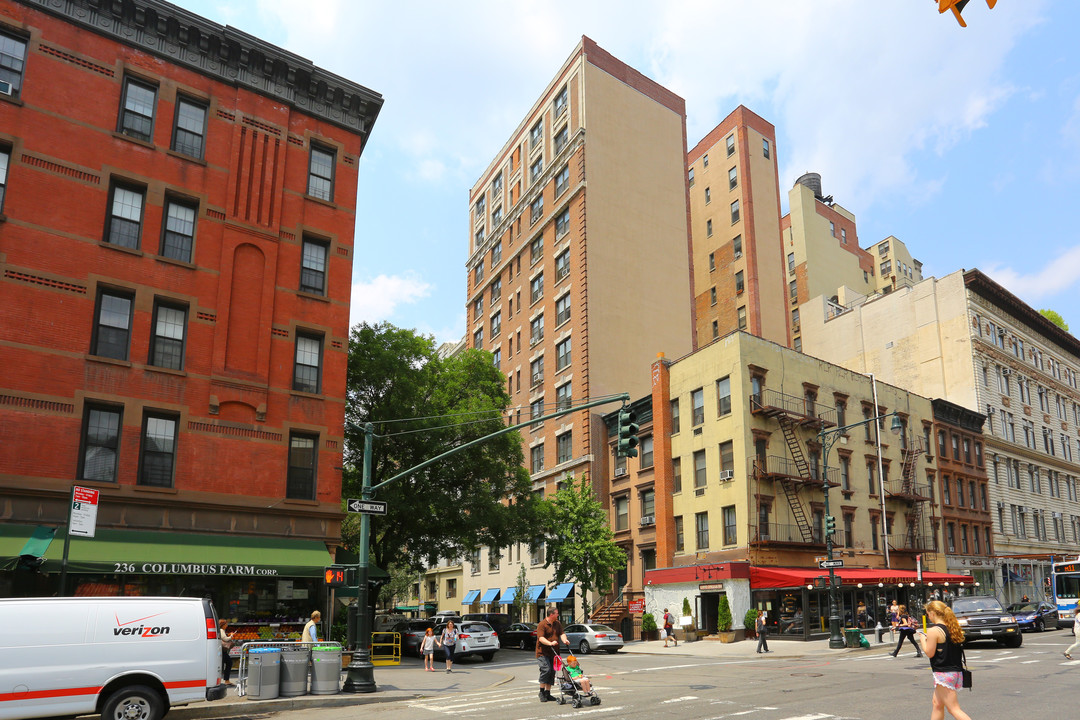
(422, 405)
(1055, 318)
(723, 614)
(580, 543)
(521, 597)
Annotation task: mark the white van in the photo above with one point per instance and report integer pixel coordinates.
(128, 658)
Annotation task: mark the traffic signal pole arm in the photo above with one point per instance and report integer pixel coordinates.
(360, 677)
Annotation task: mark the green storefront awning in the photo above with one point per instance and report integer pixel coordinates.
(23, 543)
(144, 552)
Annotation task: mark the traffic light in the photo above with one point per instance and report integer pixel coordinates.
(830, 524)
(628, 428)
(957, 6)
(334, 576)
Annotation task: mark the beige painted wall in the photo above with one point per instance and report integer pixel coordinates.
(829, 266)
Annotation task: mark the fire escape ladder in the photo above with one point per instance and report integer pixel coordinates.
(794, 446)
(792, 494)
(791, 491)
(911, 457)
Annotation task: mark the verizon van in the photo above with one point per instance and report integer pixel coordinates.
(128, 658)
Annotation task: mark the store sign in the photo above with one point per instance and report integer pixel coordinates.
(637, 606)
(83, 517)
(190, 569)
(711, 587)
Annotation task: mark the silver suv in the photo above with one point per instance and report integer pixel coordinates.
(474, 638)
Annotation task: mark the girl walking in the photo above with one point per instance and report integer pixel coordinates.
(1076, 636)
(447, 641)
(905, 625)
(427, 649)
(944, 645)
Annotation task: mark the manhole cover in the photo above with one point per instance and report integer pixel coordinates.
(807, 674)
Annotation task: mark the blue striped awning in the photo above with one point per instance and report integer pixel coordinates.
(560, 593)
(509, 595)
(490, 595)
(470, 597)
(535, 591)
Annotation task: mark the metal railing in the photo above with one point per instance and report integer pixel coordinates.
(904, 542)
(246, 648)
(781, 533)
(784, 465)
(792, 404)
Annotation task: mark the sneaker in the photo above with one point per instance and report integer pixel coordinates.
(1067, 655)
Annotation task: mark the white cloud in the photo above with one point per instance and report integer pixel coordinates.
(1058, 275)
(378, 299)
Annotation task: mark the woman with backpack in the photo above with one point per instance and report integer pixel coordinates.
(906, 626)
(669, 628)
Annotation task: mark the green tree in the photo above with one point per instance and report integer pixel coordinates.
(1055, 318)
(521, 597)
(422, 405)
(398, 589)
(723, 614)
(580, 543)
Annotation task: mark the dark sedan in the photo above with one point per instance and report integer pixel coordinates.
(520, 635)
(1035, 616)
(412, 632)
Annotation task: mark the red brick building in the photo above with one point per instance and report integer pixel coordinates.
(176, 247)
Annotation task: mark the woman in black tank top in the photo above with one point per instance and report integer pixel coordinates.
(943, 643)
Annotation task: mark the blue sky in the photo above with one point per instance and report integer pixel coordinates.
(964, 143)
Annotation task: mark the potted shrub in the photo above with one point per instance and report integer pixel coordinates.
(724, 620)
(689, 631)
(648, 627)
(750, 622)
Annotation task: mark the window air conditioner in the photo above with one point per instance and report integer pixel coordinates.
(1001, 504)
(738, 255)
(620, 471)
(647, 520)
(1006, 371)
(726, 475)
(5, 87)
(537, 378)
(698, 492)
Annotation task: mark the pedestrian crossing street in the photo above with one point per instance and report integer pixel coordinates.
(1030, 653)
(520, 702)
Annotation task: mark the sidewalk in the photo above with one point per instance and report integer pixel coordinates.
(748, 648)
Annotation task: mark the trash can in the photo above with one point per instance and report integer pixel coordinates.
(263, 673)
(294, 670)
(325, 670)
(852, 637)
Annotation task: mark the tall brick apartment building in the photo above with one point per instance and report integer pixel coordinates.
(176, 248)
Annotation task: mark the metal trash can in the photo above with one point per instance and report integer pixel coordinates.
(851, 637)
(263, 673)
(294, 670)
(325, 670)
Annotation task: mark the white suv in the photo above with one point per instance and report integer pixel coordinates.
(474, 638)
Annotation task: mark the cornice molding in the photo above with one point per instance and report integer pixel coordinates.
(225, 54)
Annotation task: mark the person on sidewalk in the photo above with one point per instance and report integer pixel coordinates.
(226, 646)
(549, 634)
(906, 626)
(944, 643)
(448, 642)
(1076, 636)
(427, 649)
(669, 628)
(311, 630)
(762, 631)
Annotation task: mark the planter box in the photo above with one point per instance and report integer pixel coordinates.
(726, 637)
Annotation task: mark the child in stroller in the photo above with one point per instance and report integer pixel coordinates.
(574, 684)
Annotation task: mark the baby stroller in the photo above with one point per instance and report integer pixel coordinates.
(569, 690)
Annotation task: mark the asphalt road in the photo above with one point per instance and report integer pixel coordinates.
(867, 685)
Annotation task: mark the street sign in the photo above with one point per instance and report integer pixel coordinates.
(368, 507)
(637, 606)
(84, 505)
(826, 564)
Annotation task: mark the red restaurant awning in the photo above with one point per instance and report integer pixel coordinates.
(762, 578)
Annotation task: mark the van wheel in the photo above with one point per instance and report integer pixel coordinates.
(136, 702)
(487, 657)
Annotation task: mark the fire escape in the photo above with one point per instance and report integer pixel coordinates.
(908, 490)
(793, 414)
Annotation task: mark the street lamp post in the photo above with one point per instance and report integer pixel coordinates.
(828, 438)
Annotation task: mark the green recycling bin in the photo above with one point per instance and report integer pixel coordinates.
(852, 637)
(294, 670)
(325, 669)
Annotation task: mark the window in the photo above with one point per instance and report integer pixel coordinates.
(562, 309)
(712, 296)
(943, 447)
(496, 254)
(478, 338)
(190, 129)
(536, 553)
(536, 408)
(697, 402)
(497, 186)
(536, 458)
(536, 134)
(690, 177)
(845, 473)
(712, 258)
(536, 330)
(622, 513)
(494, 556)
(736, 246)
(12, 57)
(765, 147)
(950, 535)
(562, 265)
(158, 456)
(496, 324)
(125, 217)
(946, 492)
(708, 195)
(562, 223)
(313, 267)
(112, 331)
(178, 235)
(321, 173)
(478, 273)
(561, 138)
(708, 233)
(705, 160)
(733, 178)
(674, 416)
(723, 396)
(841, 408)
(558, 107)
(793, 289)
(562, 355)
(730, 144)
(715, 329)
(727, 457)
(5, 158)
(307, 372)
(536, 169)
(536, 371)
(496, 357)
(676, 475)
(536, 209)
(701, 524)
(496, 216)
(741, 312)
(536, 249)
(137, 111)
(739, 282)
(734, 212)
(300, 482)
(564, 447)
(680, 538)
(536, 288)
(699, 469)
(886, 268)
(871, 481)
(843, 236)
(100, 439)
(562, 181)
(730, 531)
(167, 341)
(646, 453)
(478, 308)
(563, 397)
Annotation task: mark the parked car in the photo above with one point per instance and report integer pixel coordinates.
(474, 638)
(499, 622)
(983, 618)
(384, 622)
(520, 635)
(588, 637)
(1035, 616)
(412, 631)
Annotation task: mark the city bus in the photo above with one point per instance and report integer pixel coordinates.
(1065, 589)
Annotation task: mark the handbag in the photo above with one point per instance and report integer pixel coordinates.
(965, 673)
